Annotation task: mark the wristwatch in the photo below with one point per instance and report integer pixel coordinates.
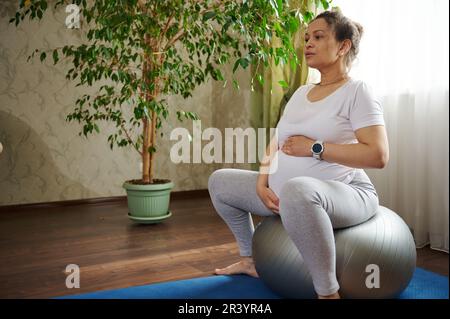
(317, 150)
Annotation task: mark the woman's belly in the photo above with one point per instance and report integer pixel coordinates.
(284, 167)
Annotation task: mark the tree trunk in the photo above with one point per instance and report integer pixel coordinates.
(146, 178)
(149, 127)
(145, 155)
(153, 144)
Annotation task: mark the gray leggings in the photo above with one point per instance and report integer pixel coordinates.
(309, 208)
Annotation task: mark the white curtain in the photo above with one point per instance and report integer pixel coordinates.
(404, 57)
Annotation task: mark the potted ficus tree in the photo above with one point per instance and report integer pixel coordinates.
(140, 51)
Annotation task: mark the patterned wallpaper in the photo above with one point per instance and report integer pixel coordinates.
(44, 159)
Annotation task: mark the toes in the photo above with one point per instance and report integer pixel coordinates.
(238, 268)
(221, 271)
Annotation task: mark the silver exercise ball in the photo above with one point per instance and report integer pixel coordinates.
(375, 259)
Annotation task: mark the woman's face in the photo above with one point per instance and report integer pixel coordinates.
(321, 47)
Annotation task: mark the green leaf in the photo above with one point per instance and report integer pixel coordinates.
(244, 62)
(283, 84)
(260, 79)
(96, 128)
(17, 18)
(138, 113)
(236, 65)
(55, 56)
(280, 6)
(308, 16)
(208, 15)
(43, 56)
(151, 149)
(293, 25)
(325, 4)
(278, 27)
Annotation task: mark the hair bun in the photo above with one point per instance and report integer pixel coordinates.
(359, 27)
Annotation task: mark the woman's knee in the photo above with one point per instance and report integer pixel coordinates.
(217, 180)
(299, 189)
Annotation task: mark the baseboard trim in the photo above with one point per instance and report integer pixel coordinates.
(100, 200)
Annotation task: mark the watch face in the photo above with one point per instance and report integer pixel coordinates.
(317, 148)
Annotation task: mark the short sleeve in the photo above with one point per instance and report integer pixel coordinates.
(294, 99)
(366, 110)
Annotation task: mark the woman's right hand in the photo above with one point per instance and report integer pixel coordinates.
(269, 198)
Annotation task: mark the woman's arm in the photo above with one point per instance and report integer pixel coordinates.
(271, 149)
(268, 197)
(371, 151)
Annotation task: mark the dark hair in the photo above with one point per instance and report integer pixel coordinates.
(344, 28)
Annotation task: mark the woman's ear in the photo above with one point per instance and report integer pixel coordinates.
(345, 47)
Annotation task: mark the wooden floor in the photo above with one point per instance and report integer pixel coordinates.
(36, 245)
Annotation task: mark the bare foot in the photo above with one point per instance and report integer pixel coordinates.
(245, 266)
(332, 296)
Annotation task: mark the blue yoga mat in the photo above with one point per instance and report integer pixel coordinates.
(424, 285)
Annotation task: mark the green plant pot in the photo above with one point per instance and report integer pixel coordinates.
(148, 204)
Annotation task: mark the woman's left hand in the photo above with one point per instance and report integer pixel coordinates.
(298, 145)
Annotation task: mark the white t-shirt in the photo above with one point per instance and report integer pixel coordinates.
(333, 119)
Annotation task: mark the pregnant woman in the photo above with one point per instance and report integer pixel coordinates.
(329, 132)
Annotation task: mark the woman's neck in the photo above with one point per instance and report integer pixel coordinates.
(332, 76)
